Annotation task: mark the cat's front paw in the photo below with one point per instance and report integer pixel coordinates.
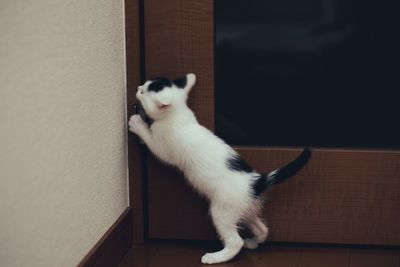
(136, 124)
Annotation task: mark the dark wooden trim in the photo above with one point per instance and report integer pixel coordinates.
(113, 245)
(133, 79)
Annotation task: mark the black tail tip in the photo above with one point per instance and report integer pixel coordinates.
(306, 154)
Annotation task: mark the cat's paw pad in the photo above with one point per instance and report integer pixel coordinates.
(250, 243)
(136, 123)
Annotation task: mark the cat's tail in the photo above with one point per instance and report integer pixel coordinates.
(280, 175)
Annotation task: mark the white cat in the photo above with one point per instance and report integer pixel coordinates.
(211, 166)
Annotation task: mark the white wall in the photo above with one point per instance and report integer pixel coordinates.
(63, 178)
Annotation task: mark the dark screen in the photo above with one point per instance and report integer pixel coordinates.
(308, 73)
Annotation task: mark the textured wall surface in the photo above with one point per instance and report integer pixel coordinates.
(63, 179)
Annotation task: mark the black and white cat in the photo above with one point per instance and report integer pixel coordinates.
(211, 166)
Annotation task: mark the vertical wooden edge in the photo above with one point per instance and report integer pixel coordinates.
(133, 74)
(179, 39)
(136, 194)
(113, 245)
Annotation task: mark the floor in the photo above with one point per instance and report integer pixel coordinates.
(188, 254)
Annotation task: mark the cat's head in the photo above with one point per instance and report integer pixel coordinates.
(161, 96)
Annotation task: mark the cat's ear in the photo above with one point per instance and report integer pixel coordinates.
(186, 82)
(191, 80)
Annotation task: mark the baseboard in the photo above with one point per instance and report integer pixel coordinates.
(114, 244)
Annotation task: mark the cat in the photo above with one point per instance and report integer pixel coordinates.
(211, 166)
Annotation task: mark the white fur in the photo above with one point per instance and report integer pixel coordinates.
(178, 139)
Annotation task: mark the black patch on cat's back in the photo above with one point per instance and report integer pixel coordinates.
(236, 163)
(181, 82)
(158, 84)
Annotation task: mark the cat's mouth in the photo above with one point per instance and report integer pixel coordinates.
(138, 109)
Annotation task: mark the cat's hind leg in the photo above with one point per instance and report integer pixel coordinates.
(259, 231)
(225, 221)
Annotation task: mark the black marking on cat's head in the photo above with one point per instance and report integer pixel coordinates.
(158, 84)
(181, 82)
(236, 163)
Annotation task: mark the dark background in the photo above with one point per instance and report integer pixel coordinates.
(322, 73)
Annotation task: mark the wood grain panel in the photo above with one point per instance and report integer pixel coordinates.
(322, 204)
(374, 258)
(185, 254)
(179, 39)
(175, 210)
(341, 196)
(274, 257)
(133, 80)
(326, 257)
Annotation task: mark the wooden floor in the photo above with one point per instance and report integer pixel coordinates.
(186, 254)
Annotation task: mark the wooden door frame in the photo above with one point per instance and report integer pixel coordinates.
(134, 76)
(179, 34)
(137, 19)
